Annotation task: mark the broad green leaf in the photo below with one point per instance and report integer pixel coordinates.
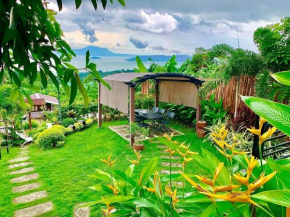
(109, 200)
(282, 77)
(211, 210)
(140, 64)
(279, 197)
(122, 2)
(66, 88)
(15, 78)
(1, 75)
(82, 90)
(87, 57)
(95, 4)
(78, 3)
(27, 97)
(96, 74)
(11, 19)
(147, 171)
(14, 94)
(68, 73)
(275, 113)
(73, 89)
(144, 202)
(59, 3)
(100, 187)
(43, 78)
(66, 46)
(104, 3)
(22, 101)
(195, 198)
(130, 170)
(125, 178)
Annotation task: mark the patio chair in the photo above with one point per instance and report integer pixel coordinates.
(161, 111)
(140, 120)
(155, 109)
(167, 120)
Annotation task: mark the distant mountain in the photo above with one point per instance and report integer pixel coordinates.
(100, 51)
(95, 58)
(160, 58)
(96, 51)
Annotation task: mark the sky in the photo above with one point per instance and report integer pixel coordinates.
(167, 26)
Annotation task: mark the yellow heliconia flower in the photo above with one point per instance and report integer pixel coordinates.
(267, 135)
(241, 179)
(172, 194)
(254, 131)
(205, 180)
(134, 162)
(239, 152)
(252, 163)
(109, 162)
(138, 155)
(170, 151)
(191, 153)
(225, 154)
(169, 191)
(261, 181)
(152, 190)
(240, 197)
(114, 189)
(180, 153)
(166, 136)
(224, 135)
(225, 188)
(218, 171)
(219, 143)
(185, 161)
(194, 184)
(184, 147)
(107, 212)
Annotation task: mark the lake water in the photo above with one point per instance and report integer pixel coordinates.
(111, 63)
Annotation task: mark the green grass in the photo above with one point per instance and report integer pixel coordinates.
(64, 172)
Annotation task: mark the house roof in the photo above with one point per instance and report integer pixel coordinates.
(40, 99)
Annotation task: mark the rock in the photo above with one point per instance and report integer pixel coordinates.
(36, 210)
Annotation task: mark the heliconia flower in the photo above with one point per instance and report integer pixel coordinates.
(114, 189)
(219, 143)
(262, 121)
(184, 147)
(205, 180)
(230, 147)
(169, 191)
(239, 152)
(241, 179)
(224, 135)
(240, 197)
(170, 151)
(152, 190)
(194, 184)
(134, 162)
(225, 188)
(191, 153)
(180, 153)
(251, 164)
(185, 161)
(261, 181)
(107, 212)
(108, 161)
(267, 135)
(254, 131)
(174, 197)
(166, 136)
(225, 154)
(217, 171)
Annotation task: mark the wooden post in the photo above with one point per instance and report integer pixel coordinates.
(132, 112)
(99, 107)
(198, 110)
(29, 119)
(156, 94)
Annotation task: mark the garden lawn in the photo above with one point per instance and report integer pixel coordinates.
(64, 172)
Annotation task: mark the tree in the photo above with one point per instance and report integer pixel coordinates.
(273, 42)
(30, 39)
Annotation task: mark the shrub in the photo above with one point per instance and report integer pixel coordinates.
(89, 121)
(49, 138)
(34, 125)
(59, 127)
(79, 126)
(68, 121)
(68, 131)
(59, 144)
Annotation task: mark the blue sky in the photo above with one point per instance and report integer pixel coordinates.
(168, 26)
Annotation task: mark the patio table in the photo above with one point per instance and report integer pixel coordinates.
(154, 118)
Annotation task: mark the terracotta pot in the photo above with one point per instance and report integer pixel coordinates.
(200, 133)
(201, 124)
(138, 147)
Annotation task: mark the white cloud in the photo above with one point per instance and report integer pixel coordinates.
(155, 23)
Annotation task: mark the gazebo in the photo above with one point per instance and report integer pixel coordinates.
(172, 88)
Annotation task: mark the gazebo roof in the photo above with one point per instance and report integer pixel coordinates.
(132, 79)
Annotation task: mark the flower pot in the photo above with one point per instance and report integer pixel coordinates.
(138, 147)
(200, 133)
(201, 125)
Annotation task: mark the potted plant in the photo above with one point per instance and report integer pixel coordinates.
(139, 134)
(201, 124)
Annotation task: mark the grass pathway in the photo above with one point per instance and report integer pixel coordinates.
(27, 194)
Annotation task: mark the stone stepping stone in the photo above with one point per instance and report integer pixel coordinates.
(21, 171)
(161, 146)
(167, 172)
(27, 187)
(168, 157)
(23, 164)
(81, 211)
(25, 178)
(18, 159)
(30, 197)
(36, 210)
(167, 164)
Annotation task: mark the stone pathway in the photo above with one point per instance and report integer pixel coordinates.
(80, 211)
(24, 192)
